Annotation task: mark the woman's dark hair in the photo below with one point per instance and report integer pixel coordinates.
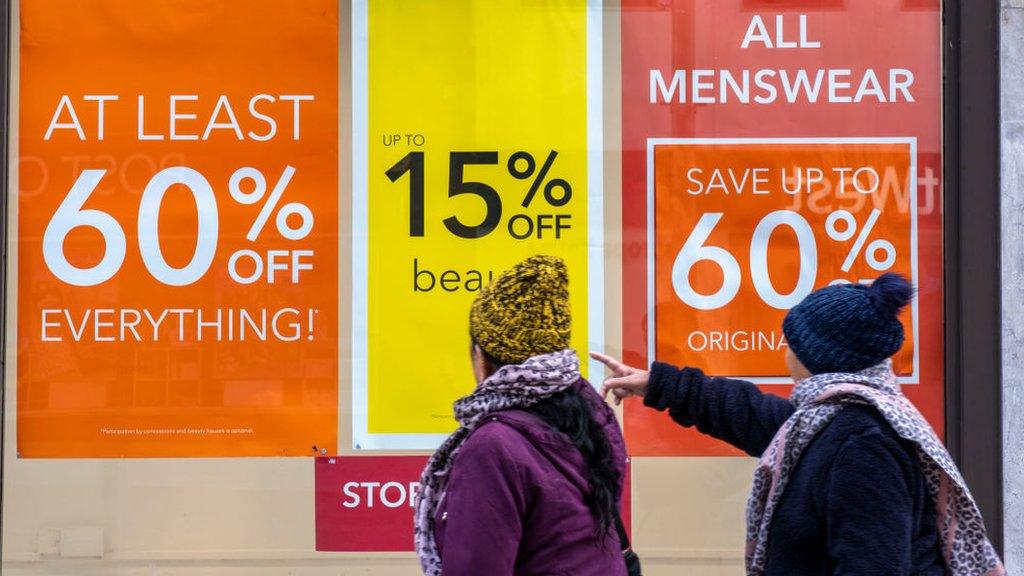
(571, 414)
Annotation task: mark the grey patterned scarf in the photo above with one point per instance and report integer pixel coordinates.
(818, 400)
(511, 387)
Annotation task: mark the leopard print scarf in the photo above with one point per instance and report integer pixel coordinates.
(511, 387)
(818, 400)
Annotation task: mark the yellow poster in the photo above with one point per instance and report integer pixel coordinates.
(466, 161)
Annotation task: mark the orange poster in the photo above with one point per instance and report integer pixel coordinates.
(177, 228)
(744, 229)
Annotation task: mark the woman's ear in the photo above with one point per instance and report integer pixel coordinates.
(797, 370)
(481, 366)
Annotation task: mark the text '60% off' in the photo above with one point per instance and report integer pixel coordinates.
(247, 186)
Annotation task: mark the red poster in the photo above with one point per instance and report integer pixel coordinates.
(365, 504)
(770, 149)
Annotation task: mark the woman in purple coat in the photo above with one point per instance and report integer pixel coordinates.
(530, 482)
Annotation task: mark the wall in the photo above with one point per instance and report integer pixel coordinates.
(1012, 55)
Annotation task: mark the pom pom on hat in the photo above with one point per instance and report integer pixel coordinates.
(890, 293)
(524, 312)
(849, 327)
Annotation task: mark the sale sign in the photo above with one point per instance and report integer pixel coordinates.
(177, 229)
(465, 162)
(768, 153)
(365, 504)
(733, 240)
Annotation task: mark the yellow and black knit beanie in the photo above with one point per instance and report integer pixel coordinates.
(524, 312)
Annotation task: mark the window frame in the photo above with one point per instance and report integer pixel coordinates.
(971, 229)
(971, 202)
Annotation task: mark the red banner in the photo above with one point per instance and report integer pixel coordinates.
(365, 504)
(770, 149)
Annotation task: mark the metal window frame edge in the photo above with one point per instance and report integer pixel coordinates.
(971, 203)
(5, 71)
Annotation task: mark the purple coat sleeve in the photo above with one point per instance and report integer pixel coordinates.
(484, 504)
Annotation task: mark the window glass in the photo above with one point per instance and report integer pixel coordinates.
(244, 244)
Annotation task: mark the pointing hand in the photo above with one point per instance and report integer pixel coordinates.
(625, 381)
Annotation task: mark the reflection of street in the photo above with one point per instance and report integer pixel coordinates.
(822, 199)
(62, 359)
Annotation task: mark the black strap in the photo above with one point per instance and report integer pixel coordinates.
(623, 535)
(628, 555)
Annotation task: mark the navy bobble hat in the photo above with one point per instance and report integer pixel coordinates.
(849, 327)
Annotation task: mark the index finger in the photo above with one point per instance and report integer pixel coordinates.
(629, 381)
(613, 364)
